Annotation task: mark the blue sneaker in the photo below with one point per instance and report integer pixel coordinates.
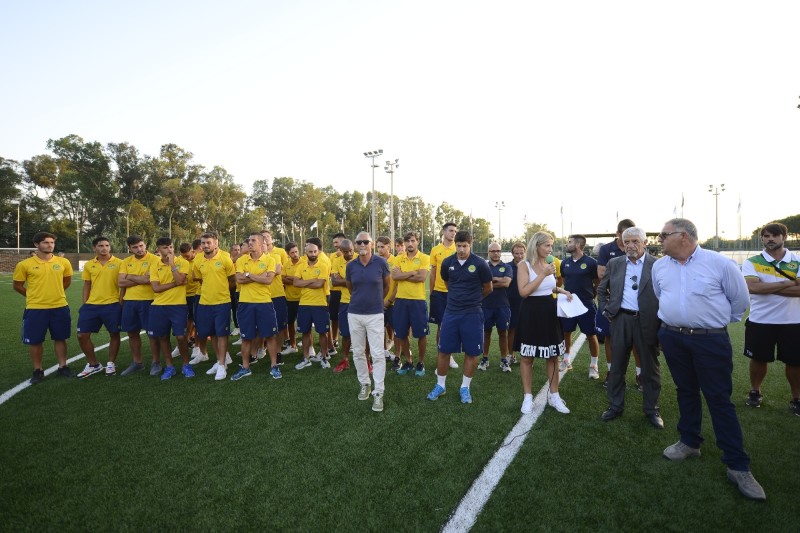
(187, 371)
(242, 373)
(437, 391)
(420, 370)
(466, 397)
(405, 369)
(275, 372)
(168, 373)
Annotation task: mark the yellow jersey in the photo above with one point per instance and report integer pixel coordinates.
(139, 267)
(438, 254)
(255, 293)
(411, 290)
(392, 283)
(44, 281)
(319, 270)
(103, 278)
(276, 288)
(192, 285)
(162, 273)
(292, 269)
(213, 273)
(341, 269)
(336, 258)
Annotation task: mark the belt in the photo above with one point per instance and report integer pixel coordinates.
(696, 331)
(629, 312)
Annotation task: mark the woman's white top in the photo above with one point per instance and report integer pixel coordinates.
(545, 287)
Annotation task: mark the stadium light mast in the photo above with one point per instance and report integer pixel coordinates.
(390, 168)
(716, 190)
(372, 155)
(500, 206)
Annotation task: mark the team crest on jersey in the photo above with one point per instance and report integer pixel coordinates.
(417, 261)
(316, 272)
(144, 264)
(792, 265)
(583, 266)
(218, 264)
(502, 269)
(471, 268)
(262, 265)
(112, 265)
(56, 267)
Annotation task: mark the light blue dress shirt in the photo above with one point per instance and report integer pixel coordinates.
(708, 291)
(630, 296)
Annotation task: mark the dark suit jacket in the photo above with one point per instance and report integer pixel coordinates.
(609, 295)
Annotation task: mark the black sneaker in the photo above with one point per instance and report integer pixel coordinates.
(253, 359)
(64, 372)
(794, 406)
(280, 360)
(395, 364)
(754, 398)
(37, 377)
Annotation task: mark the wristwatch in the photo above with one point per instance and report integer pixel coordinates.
(247, 274)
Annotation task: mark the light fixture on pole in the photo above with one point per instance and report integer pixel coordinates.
(389, 168)
(372, 155)
(716, 190)
(500, 206)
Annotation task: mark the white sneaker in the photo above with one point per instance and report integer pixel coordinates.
(302, 364)
(324, 363)
(198, 358)
(213, 369)
(593, 373)
(565, 365)
(332, 352)
(558, 404)
(235, 331)
(237, 342)
(222, 373)
(111, 369)
(527, 405)
(176, 351)
(228, 359)
(195, 351)
(311, 351)
(288, 351)
(453, 363)
(261, 353)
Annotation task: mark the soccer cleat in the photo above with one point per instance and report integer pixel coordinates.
(466, 397)
(680, 451)
(794, 407)
(111, 368)
(187, 371)
(420, 370)
(275, 372)
(288, 350)
(363, 394)
(241, 373)
(235, 332)
(176, 352)
(565, 365)
(437, 391)
(213, 370)
(343, 365)
(484, 364)
(406, 368)
(88, 370)
(135, 367)
(377, 402)
(527, 405)
(198, 358)
(222, 373)
(302, 364)
(754, 398)
(324, 363)
(453, 363)
(593, 372)
(504, 366)
(155, 369)
(261, 353)
(558, 404)
(168, 373)
(37, 377)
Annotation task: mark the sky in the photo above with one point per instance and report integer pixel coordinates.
(571, 114)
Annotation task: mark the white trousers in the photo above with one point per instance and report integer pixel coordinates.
(365, 328)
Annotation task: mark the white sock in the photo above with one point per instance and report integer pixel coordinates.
(594, 361)
(440, 380)
(465, 382)
(555, 395)
(528, 397)
(609, 366)
(638, 370)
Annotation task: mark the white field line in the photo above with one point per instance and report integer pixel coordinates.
(470, 506)
(7, 395)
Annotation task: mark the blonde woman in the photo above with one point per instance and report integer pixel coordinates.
(539, 333)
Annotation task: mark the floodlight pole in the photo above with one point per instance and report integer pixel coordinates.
(500, 206)
(716, 190)
(389, 168)
(372, 155)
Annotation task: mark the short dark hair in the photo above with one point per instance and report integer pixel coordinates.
(383, 240)
(290, 245)
(340, 236)
(42, 235)
(398, 240)
(775, 228)
(134, 239)
(209, 235)
(100, 239)
(185, 247)
(195, 244)
(407, 237)
(316, 241)
(448, 224)
(463, 236)
(624, 224)
(163, 241)
(580, 239)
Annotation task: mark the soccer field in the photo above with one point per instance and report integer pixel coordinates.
(302, 453)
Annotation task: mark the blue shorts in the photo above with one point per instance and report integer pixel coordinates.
(387, 315)
(257, 320)
(586, 321)
(92, 316)
(496, 316)
(281, 312)
(36, 323)
(410, 314)
(164, 316)
(344, 325)
(462, 333)
(438, 304)
(291, 311)
(135, 315)
(213, 320)
(333, 304)
(316, 314)
(191, 305)
(602, 326)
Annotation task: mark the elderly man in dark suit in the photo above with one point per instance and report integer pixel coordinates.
(625, 296)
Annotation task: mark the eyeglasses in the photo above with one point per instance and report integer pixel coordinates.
(494, 251)
(663, 235)
(363, 243)
(635, 285)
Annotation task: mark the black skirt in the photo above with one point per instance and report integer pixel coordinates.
(539, 332)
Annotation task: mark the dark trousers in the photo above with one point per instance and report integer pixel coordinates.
(705, 363)
(626, 332)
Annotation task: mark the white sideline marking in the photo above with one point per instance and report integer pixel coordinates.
(7, 395)
(470, 506)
